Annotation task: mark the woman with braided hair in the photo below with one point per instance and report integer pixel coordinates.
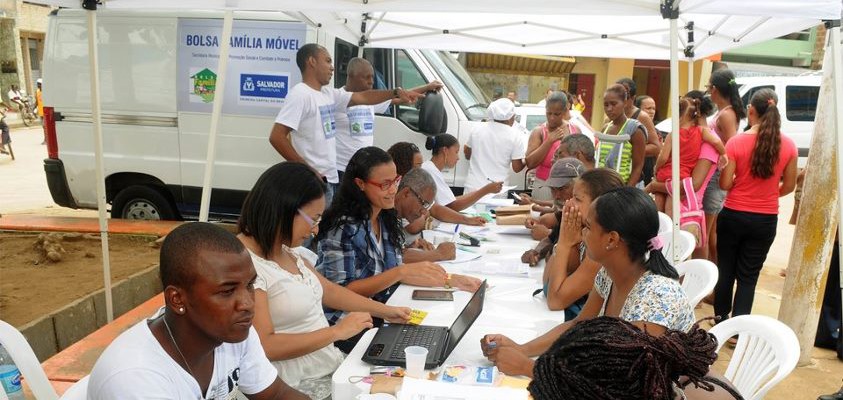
(609, 358)
(635, 283)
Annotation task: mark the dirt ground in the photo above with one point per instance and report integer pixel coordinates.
(32, 286)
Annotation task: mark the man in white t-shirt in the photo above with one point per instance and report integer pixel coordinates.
(494, 148)
(16, 97)
(202, 343)
(305, 127)
(356, 126)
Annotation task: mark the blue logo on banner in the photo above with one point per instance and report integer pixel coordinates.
(274, 86)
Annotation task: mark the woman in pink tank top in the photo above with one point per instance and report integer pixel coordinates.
(724, 93)
(545, 140)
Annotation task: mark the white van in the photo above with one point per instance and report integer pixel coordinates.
(797, 104)
(157, 80)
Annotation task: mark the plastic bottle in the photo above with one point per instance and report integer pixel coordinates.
(10, 376)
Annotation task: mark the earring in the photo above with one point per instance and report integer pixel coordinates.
(181, 309)
(607, 247)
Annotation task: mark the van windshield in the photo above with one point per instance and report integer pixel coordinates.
(470, 98)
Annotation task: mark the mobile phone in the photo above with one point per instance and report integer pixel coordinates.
(433, 295)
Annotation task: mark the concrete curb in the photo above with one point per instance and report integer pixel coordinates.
(62, 328)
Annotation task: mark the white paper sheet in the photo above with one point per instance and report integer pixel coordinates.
(513, 230)
(464, 256)
(509, 268)
(447, 227)
(417, 389)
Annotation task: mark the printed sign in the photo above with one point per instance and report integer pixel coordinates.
(261, 66)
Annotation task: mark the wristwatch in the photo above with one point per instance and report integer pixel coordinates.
(396, 92)
(448, 282)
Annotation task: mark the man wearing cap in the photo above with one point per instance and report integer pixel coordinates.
(561, 183)
(494, 148)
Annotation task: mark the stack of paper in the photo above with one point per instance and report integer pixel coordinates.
(513, 230)
(492, 202)
(513, 268)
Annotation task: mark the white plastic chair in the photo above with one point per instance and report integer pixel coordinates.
(24, 358)
(700, 276)
(766, 353)
(79, 390)
(665, 223)
(687, 243)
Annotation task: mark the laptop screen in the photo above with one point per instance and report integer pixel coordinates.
(470, 313)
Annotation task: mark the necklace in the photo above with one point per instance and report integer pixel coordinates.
(186, 364)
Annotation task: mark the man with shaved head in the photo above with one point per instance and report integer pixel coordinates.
(356, 126)
(201, 344)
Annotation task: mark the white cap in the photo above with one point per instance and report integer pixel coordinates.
(501, 109)
(38, 80)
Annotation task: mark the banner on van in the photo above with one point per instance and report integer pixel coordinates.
(261, 66)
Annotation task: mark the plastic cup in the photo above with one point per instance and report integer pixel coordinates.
(439, 239)
(415, 357)
(535, 214)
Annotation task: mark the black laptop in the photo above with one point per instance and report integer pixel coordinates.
(387, 347)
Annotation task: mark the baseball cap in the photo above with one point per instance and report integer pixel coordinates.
(501, 109)
(564, 171)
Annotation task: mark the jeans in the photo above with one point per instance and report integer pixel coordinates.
(329, 193)
(743, 240)
(830, 325)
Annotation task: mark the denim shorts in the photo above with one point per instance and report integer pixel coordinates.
(714, 196)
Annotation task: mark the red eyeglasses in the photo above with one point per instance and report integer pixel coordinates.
(385, 185)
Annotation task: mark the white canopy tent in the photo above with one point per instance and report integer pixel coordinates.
(645, 29)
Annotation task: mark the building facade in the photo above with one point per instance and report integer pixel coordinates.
(23, 27)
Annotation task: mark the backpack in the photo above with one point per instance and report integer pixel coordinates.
(691, 215)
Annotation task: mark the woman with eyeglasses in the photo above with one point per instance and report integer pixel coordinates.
(281, 211)
(360, 237)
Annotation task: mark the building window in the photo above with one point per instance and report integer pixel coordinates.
(802, 102)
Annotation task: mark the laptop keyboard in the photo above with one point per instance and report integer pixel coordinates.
(416, 335)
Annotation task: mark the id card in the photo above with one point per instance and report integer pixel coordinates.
(416, 317)
(361, 121)
(329, 124)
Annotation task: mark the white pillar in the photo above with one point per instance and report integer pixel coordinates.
(96, 118)
(219, 97)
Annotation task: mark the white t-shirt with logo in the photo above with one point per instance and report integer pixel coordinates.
(493, 147)
(311, 114)
(356, 129)
(135, 366)
(444, 195)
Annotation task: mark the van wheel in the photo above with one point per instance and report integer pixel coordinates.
(141, 202)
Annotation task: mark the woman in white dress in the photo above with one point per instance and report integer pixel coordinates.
(282, 211)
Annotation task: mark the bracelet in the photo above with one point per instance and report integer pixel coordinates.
(448, 281)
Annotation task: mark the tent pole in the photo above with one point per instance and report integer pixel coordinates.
(674, 115)
(834, 41)
(813, 238)
(96, 118)
(219, 97)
